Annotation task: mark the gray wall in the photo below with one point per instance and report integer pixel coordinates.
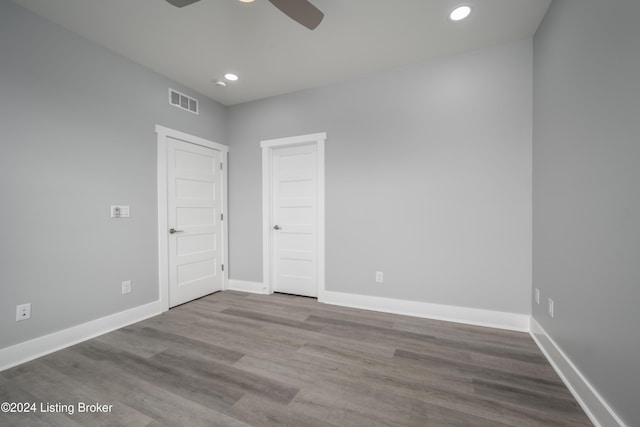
(428, 179)
(586, 198)
(77, 136)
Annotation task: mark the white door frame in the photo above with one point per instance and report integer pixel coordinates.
(267, 146)
(163, 223)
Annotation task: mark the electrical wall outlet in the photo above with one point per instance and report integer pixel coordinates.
(379, 277)
(126, 286)
(550, 308)
(23, 312)
(537, 296)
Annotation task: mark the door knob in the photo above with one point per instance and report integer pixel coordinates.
(173, 231)
(276, 227)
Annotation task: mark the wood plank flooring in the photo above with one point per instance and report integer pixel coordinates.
(235, 359)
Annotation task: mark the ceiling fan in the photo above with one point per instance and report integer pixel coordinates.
(300, 11)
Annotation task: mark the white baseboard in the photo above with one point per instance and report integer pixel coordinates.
(450, 313)
(596, 408)
(245, 286)
(38, 347)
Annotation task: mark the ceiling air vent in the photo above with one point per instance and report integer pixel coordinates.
(183, 101)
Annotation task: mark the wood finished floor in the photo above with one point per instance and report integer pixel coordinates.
(235, 359)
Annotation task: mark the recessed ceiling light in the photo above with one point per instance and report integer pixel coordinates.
(231, 77)
(459, 13)
(220, 83)
(246, 1)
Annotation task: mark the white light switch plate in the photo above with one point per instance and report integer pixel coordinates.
(120, 211)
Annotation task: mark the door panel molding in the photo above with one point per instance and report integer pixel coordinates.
(317, 139)
(163, 134)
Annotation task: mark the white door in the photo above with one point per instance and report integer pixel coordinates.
(294, 218)
(194, 203)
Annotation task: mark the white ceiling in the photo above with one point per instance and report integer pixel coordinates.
(272, 54)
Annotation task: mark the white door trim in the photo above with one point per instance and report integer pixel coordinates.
(267, 146)
(163, 223)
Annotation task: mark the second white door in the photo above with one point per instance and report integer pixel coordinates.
(294, 203)
(195, 221)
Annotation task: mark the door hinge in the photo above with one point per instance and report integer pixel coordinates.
(220, 165)
(221, 217)
(222, 267)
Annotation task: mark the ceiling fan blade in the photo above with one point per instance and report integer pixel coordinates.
(300, 11)
(181, 3)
